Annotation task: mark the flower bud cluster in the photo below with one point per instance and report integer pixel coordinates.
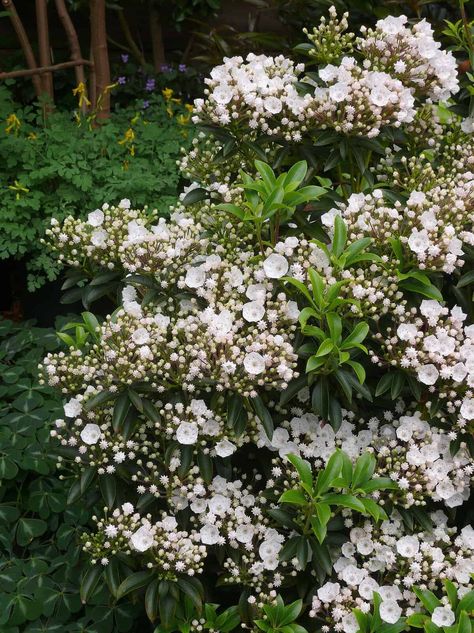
(407, 449)
(161, 546)
(98, 238)
(390, 562)
(434, 346)
(411, 55)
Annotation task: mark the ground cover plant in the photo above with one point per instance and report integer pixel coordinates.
(278, 414)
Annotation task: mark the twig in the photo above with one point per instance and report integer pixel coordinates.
(74, 45)
(44, 69)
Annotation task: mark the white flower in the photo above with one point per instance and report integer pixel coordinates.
(430, 308)
(428, 374)
(408, 546)
(292, 311)
(329, 591)
(253, 311)
(222, 94)
(209, 534)
(443, 616)
(90, 434)
(467, 409)
(275, 266)
(124, 203)
(72, 408)
(219, 505)
(244, 533)
(254, 363)
(142, 539)
(419, 241)
(416, 198)
(129, 293)
(224, 448)
(127, 508)
(380, 95)
(96, 218)
(256, 292)
(272, 105)
(169, 523)
(390, 611)
(141, 336)
(339, 91)
(349, 623)
(195, 277)
(329, 217)
(187, 433)
(162, 321)
(406, 331)
(352, 575)
(99, 238)
(367, 587)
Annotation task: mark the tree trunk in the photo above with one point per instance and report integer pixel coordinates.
(101, 57)
(24, 42)
(43, 47)
(73, 40)
(156, 39)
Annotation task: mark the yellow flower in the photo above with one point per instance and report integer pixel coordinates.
(167, 93)
(19, 188)
(81, 90)
(189, 107)
(13, 124)
(32, 136)
(128, 139)
(183, 119)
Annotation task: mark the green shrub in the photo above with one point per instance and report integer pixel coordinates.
(40, 553)
(65, 165)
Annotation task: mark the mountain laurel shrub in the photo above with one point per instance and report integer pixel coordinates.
(279, 412)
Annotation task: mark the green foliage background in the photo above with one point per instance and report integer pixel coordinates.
(65, 166)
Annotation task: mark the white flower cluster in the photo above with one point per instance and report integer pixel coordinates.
(389, 562)
(407, 449)
(98, 238)
(230, 512)
(95, 442)
(239, 339)
(360, 101)
(412, 55)
(165, 548)
(259, 91)
(398, 65)
(432, 226)
(439, 350)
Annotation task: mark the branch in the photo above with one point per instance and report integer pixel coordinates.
(24, 42)
(44, 69)
(73, 40)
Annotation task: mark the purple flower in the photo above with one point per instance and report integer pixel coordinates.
(122, 80)
(150, 85)
(182, 68)
(124, 58)
(165, 68)
(146, 104)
